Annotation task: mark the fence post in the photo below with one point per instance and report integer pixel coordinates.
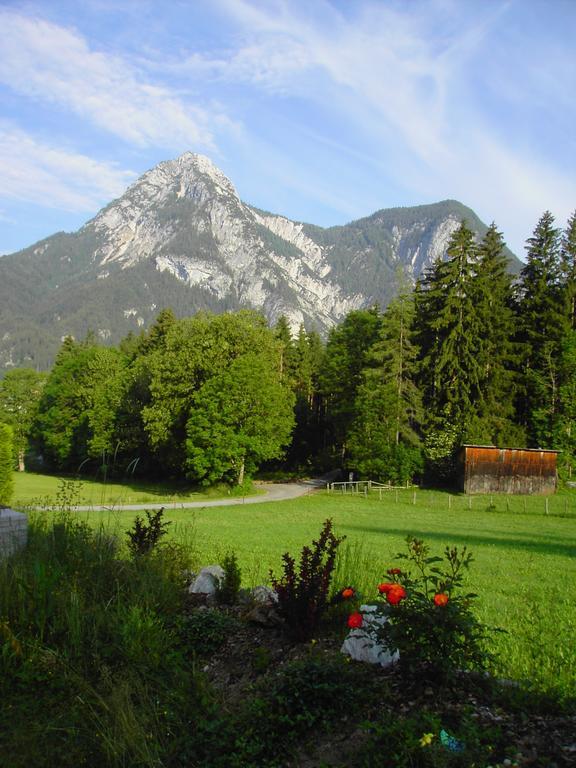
(380, 494)
(546, 505)
(449, 501)
(414, 498)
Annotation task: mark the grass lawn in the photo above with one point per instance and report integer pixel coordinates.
(32, 488)
(524, 550)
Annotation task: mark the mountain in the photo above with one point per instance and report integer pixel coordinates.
(181, 237)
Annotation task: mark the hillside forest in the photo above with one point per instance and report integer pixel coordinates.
(469, 355)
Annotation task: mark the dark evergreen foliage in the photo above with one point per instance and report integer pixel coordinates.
(543, 323)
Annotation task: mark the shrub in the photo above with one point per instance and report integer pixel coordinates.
(6, 465)
(143, 537)
(204, 632)
(432, 625)
(229, 586)
(303, 592)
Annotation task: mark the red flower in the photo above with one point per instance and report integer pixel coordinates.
(348, 592)
(440, 599)
(355, 620)
(394, 572)
(385, 587)
(395, 594)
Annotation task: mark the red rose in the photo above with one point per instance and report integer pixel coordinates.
(440, 599)
(355, 620)
(385, 587)
(348, 592)
(395, 594)
(394, 572)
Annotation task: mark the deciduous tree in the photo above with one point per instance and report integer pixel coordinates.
(20, 392)
(239, 418)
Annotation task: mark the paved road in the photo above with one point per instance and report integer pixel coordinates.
(272, 492)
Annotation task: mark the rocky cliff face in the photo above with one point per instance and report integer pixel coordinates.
(186, 216)
(181, 237)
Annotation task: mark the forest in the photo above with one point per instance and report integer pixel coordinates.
(470, 354)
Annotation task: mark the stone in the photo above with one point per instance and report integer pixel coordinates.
(207, 581)
(265, 615)
(13, 531)
(264, 595)
(361, 645)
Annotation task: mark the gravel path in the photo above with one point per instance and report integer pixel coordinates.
(272, 492)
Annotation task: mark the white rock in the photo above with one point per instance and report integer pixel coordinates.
(361, 645)
(264, 595)
(207, 581)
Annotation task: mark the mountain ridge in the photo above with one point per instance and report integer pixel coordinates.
(181, 236)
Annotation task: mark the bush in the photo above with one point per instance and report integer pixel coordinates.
(303, 594)
(6, 465)
(432, 625)
(143, 537)
(229, 586)
(204, 632)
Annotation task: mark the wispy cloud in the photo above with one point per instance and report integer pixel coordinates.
(51, 63)
(36, 172)
(413, 78)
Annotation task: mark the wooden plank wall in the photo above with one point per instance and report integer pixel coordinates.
(508, 470)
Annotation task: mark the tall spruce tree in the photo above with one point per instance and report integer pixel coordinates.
(448, 332)
(565, 421)
(568, 270)
(494, 421)
(384, 438)
(341, 375)
(543, 323)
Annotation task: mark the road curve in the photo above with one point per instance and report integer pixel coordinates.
(272, 492)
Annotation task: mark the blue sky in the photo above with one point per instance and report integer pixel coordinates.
(321, 111)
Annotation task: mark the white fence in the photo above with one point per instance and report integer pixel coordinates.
(363, 487)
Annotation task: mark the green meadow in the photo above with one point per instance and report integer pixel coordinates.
(33, 488)
(524, 549)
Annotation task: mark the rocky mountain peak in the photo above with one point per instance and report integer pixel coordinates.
(181, 237)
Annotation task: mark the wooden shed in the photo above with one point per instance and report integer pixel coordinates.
(486, 469)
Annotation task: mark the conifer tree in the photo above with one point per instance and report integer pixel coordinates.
(568, 270)
(565, 422)
(384, 438)
(341, 374)
(497, 354)
(448, 331)
(283, 334)
(543, 323)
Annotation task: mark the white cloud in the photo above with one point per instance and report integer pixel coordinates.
(36, 172)
(411, 80)
(51, 63)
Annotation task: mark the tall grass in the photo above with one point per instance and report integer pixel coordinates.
(92, 632)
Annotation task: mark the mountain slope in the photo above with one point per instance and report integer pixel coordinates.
(180, 236)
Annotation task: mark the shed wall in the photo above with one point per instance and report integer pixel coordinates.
(508, 470)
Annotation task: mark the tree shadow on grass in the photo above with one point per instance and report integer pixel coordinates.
(554, 546)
